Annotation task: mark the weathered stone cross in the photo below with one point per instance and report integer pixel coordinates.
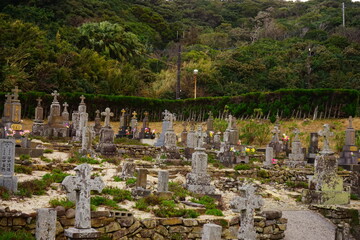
(229, 119)
(65, 105)
(82, 97)
(246, 204)
(123, 111)
(350, 122)
(16, 91)
(200, 135)
(82, 184)
(107, 115)
(134, 115)
(276, 132)
(172, 118)
(326, 133)
(210, 114)
(39, 100)
(166, 114)
(8, 98)
(296, 132)
(55, 94)
(97, 113)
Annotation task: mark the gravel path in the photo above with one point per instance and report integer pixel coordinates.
(308, 225)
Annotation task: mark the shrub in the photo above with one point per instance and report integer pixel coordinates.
(4, 193)
(23, 169)
(99, 200)
(142, 205)
(214, 211)
(48, 151)
(117, 179)
(24, 157)
(179, 191)
(263, 173)
(56, 176)
(255, 133)
(354, 196)
(148, 158)
(32, 187)
(207, 201)
(118, 194)
(242, 167)
(61, 202)
(130, 181)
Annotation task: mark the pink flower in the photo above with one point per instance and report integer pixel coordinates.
(273, 161)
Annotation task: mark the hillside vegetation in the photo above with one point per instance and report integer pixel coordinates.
(130, 47)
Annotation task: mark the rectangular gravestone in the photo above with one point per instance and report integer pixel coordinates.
(211, 232)
(163, 181)
(46, 224)
(7, 163)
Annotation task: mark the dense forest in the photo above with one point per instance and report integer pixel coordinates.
(130, 47)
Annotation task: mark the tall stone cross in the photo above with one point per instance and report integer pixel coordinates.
(166, 114)
(123, 111)
(107, 115)
(246, 204)
(296, 132)
(39, 100)
(326, 133)
(82, 97)
(55, 94)
(350, 122)
(82, 184)
(229, 119)
(9, 97)
(134, 115)
(16, 91)
(276, 132)
(65, 105)
(210, 115)
(172, 118)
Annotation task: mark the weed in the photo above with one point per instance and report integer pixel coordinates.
(179, 191)
(23, 169)
(45, 159)
(99, 200)
(142, 205)
(130, 181)
(24, 157)
(62, 202)
(118, 194)
(242, 167)
(117, 179)
(214, 211)
(148, 158)
(48, 151)
(263, 173)
(4, 193)
(354, 196)
(56, 176)
(19, 235)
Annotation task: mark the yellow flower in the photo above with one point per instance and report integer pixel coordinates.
(247, 149)
(253, 149)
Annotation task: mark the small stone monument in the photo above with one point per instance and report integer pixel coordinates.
(170, 139)
(326, 187)
(246, 204)
(86, 141)
(275, 142)
(81, 119)
(37, 127)
(97, 126)
(141, 182)
(269, 156)
(163, 181)
(165, 124)
(106, 145)
(7, 109)
(190, 140)
(82, 184)
(128, 169)
(56, 126)
(46, 224)
(145, 132)
(350, 152)
(210, 129)
(124, 129)
(65, 113)
(198, 180)
(184, 134)
(211, 232)
(7, 164)
(15, 107)
(296, 157)
(313, 149)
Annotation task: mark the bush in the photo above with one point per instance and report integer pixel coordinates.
(118, 194)
(207, 201)
(255, 133)
(56, 176)
(148, 158)
(263, 173)
(48, 151)
(24, 157)
(180, 193)
(214, 211)
(61, 202)
(98, 200)
(4, 193)
(142, 205)
(23, 169)
(242, 167)
(130, 181)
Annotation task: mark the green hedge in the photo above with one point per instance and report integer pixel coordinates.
(342, 103)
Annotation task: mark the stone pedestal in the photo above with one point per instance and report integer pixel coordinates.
(106, 145)
(296, 157)
(83, 234)
(211, 232)
(161, 140)
(350, 152)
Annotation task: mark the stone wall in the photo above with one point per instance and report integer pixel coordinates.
(138, 151)
(123, 226)
(339, 215)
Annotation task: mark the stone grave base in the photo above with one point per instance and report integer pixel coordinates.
(140, 192)
(83, 234)
(199, 183)
(201, 189)
(296, 157)
(311, 157)
(107, 149)
(9, 182)
(242, 159)
(33, 152)
(150, 142)
(295, 164)
(325, 197)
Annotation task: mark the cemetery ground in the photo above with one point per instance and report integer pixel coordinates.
(281, 188)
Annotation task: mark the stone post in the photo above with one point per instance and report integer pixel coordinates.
(46, 224)
(269, 155)
(163, 181)
(211, 232)
(141, 178)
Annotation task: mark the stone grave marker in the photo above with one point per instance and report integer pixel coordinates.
(184, 134)
(246, 204)
(275, 142)
(296, 157)
(163, 181)
(7, 164)
(350, 152)
(97, 126)
(45, 224)
(128, 169)
(82, 184)
(141, 182)
(106, 145)
(313, 149)
(211, 232)
(165, 124)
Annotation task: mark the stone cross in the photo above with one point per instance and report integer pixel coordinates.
(123, 111)
(276, 132)
(172, 118)
(82, 184)
(16, 91)
(246, 204)
(229, 119)
(107, 115)
(200, 136)
(65, 105)
(82, 99)
(326, 133)
(8, 98)
(192, 125)
(166, 114)
(134, 115)
(350, 122)
(296, 132)
(55, 94)
(39, 100)
(210, 114)
(184, 124)
(97, 114)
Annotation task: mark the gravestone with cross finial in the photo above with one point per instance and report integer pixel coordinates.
(246, 204)
(198, 180)
(145, 132)
(7, 164)
(82, 105)
(170, 142)
(97, 125)
(275, 142)
(184, 133)
(326, 187)
(65, 113)
(350, 152)
(55, 110)
(39, 111)
(133, 121)
(165, 125)
(15, 107)
(86, 141)
(124, 128)
(79, 120)
(82, 185)
(296, 157)
(190, 140)
(106, 145)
